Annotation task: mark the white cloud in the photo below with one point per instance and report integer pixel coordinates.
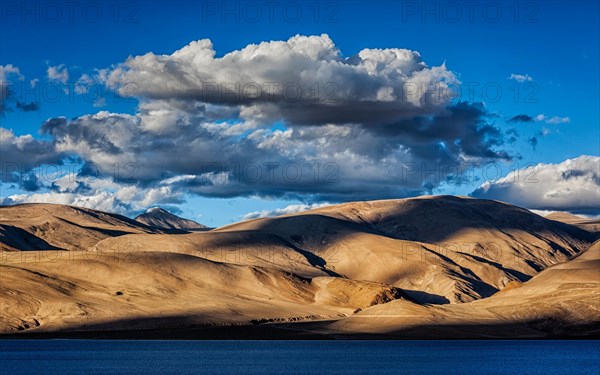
(353, 162)
(303, 80)
(291, 209)
(552, 120)
(24, 150)
(572, 185)
(8, 69)
(58, 73)
(83, 84)
(6, 73)
(558, 120)
(354, 147)
(100, 102)
(520, 77)
(103, 201)
(101, 194)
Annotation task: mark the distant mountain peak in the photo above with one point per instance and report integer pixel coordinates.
(160, 218)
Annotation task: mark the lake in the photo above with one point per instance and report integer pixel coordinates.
(298, 357)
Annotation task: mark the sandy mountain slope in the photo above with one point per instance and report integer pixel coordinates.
(163, 289)
(443, 249)
(591, 225)
(561, 300)
(158, 218)
(246, 248)
(50, 226)
(321, 264)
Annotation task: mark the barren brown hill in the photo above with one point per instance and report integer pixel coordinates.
(38, 226)
(563, 300)
(591, 225)
(443, 248)
(163, 289)
(159, 218)
(323, 264)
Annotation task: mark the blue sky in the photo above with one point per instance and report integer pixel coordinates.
(551, 45)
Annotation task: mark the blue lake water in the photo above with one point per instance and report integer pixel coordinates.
(298, 357)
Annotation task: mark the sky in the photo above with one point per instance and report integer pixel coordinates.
(222, 111)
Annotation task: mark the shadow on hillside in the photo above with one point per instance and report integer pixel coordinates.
(435, 220)
(22, 240)
(421, 297)
(185, 327)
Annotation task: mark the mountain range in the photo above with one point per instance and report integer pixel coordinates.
(425, 267)
(159, 218)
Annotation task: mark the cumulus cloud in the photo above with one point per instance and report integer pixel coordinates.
(521, 118)
(83, 84)
(328, 162)
(8, 69)
(100, 194)
(20, 154)
(58, 73)
(375, 112)
(291, 209)
(572, 185)
(520, 77)
(558, 120)
(291, 119)
(8, 73)
(304, 80)
(552, 120)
